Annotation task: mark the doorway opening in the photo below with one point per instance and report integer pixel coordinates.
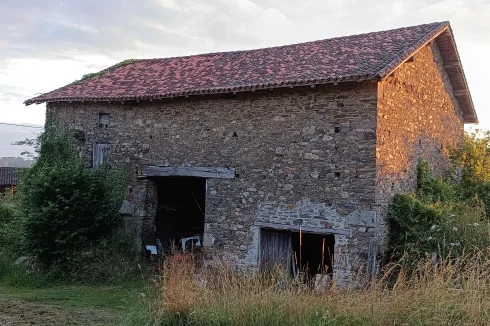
(295, 252)
(313, 252)
(179, 220)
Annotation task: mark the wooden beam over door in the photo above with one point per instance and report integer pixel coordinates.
(189, 171)
(306, 229)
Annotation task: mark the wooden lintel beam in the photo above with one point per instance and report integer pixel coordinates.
(189, 171)
(305, 229)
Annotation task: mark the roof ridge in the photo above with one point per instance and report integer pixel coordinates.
(356, 57)
(286, 45)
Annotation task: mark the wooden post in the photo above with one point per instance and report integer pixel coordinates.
(323, 256)
(300, 249)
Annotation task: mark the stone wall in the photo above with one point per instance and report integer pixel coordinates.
(303, 157)
(418, 117)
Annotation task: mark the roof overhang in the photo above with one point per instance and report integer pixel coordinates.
(452, 65)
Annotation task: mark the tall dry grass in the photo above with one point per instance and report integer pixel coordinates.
(452, 292)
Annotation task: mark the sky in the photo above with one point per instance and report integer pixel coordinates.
(12, 133)
(45, 44)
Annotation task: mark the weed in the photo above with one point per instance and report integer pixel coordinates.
(448, 293)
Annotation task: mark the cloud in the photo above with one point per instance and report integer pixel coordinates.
(66, 28)
(44, 44)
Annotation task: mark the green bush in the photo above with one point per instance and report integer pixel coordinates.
(474, 157)
(68, 208)
(439, 217)
(17, 275)
(6, 213)
(11, 230)
(116, 260)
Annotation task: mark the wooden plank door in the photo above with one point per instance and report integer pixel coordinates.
(275, 250)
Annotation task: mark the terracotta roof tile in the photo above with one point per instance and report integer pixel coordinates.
(350, 58)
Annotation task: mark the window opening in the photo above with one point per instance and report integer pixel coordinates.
(104, 120)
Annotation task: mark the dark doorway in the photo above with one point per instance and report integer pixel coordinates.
(180, 211)
(314, 253)
(297, 252)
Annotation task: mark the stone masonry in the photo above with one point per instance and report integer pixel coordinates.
(418, 117)
(303, 157)
(327, 159)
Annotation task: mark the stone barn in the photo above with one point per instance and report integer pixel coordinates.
(287, 154)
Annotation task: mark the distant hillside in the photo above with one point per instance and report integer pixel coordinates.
(11, 133)
(16, 162)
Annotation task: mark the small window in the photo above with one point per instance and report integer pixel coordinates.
(104, 120)
(101, 154)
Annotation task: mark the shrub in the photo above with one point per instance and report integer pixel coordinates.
(16, 275)
(11, 229)
(436, 218)
(67, 208)
(117, 260)
(6, 213)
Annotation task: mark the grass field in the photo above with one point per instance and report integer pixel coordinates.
(450, 293)
(453, 293)
(68, 305)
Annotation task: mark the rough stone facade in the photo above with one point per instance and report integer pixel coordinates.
(418, 117)
(302, 157)
(327, 159)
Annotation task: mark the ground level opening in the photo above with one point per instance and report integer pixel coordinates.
(179, 220)
(296, 252)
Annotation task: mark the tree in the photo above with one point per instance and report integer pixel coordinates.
(474, 156)
(474, 159)
(31, 142)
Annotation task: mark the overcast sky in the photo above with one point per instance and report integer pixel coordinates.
(45, 44)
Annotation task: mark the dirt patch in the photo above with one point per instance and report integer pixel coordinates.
(16, 313)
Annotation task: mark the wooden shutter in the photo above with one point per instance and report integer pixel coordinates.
(100, 152)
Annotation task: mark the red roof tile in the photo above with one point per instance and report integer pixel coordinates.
(9, 176)
(350, 58)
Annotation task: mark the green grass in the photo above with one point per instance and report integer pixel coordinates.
(72, 296)
(66, 305)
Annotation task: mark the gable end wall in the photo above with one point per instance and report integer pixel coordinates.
(418, 117)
